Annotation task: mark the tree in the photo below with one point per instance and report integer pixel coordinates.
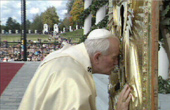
(64, 24)
(17, 26)
(2, 27)
(12, 25)
(61, 25)
(28, 24)
(71, 22)
(77, 9)
(9, 23)
(69, 5)
(50, 17)
(37, 23)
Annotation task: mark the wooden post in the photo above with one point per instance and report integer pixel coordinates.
(154, 70)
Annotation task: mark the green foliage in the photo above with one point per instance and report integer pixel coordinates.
(2, 27)
(28, 25)
(164, 85)
(85, 14)
(165, 15)
(101, 24)
(61, 25)
(83, 38)
(69, 5)
(77, 9)
(50, 17)
(96, 4)
(93, 8)
(165, 11)
(37, 23)
(65, 23)
(164, 19)
(12, 24)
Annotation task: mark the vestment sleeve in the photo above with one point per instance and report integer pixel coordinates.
(65, 87)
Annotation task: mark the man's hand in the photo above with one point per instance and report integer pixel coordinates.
(124, 98)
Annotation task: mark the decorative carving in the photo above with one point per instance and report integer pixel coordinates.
(132, 23)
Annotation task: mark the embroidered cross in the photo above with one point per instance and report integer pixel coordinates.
(89, 69)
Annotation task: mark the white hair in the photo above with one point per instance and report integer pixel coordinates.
(97, 45)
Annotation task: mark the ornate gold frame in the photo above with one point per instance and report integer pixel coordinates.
(136, 23)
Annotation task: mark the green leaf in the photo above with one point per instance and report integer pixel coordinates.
(164, 12)
(166, 21)
(164, 85)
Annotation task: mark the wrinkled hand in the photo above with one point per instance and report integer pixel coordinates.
(124, 98)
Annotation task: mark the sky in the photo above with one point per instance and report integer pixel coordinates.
(12, 8)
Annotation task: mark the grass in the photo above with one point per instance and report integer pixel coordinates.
(75, 36)
(35, 37)
(17, 37)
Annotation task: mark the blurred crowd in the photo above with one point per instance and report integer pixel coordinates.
(36, 50)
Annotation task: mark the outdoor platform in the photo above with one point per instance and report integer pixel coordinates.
(12, 95)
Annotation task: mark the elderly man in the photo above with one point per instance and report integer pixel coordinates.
(64, 79)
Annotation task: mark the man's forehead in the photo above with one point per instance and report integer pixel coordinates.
(114, 42)
(115, 48)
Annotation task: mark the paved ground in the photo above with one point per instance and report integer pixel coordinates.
(13, 94)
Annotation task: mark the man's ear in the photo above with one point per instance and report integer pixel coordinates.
(97, 56)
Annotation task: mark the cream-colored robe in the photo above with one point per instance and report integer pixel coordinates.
(62, 82)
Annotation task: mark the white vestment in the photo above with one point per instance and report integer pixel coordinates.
(62, 82)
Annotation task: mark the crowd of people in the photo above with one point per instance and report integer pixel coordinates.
(36, 51)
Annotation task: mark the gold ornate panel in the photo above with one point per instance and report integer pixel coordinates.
(136, 24)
